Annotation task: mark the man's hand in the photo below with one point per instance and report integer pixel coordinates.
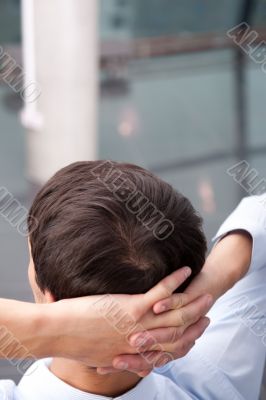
(95, 329)
(227, 263)
(89, 329)
(98, 328)
(186, 322)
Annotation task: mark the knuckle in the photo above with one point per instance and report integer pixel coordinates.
(164, 291)
(167, 291)
(179, 301)
(167, 286)
(175, 335)
(193, 319)
(182, 318)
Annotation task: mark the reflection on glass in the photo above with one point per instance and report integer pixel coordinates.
(207, 196)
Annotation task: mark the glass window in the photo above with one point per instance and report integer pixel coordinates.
(10, 21)
(256, 100)
(212, 191)
(173, 109)
(259, 17)
(166, 17)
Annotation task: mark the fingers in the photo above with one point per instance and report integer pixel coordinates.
(142, 374)
(176, 344)
(175, 335)
(143, 364)
(183, 346)
(155, 338)
(195, 310)
(174, 302)
(195, 331)
(165, 288)
(111, 370)
(181, 318)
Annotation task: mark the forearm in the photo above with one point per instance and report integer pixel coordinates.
(227, 263)
(62, 329)
(22, 329)
(85, 329)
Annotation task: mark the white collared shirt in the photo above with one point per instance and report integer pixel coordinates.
(226, 363)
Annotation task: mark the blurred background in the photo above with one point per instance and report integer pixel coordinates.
(157, 83)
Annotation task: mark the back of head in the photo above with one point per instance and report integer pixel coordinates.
(106, 227)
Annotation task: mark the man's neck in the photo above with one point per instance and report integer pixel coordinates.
(87, 379)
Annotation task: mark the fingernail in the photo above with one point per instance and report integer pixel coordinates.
(188, 272)
(162, 308)
(121, 365)
(140, 341)
(162, 363)
(165, 360)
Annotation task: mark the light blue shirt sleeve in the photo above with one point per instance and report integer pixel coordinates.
(250, 216)
(7, 390)
(228, 361)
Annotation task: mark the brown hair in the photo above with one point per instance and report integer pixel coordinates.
(107, 227)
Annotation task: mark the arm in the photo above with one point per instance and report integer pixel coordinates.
(240, 248)
(233, 348)
(68, 328)
(227, 263)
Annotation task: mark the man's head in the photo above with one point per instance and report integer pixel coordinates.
(106, 227)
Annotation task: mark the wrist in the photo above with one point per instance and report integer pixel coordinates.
(227, 263)
(41, 335)
(22, 327)
(52, 326)
(63, 329)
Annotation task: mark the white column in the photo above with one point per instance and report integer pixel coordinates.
(61, 55)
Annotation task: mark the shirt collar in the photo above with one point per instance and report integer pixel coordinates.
(39, 383)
